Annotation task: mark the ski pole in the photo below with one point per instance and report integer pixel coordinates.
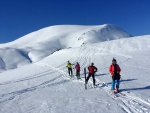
(125, 86)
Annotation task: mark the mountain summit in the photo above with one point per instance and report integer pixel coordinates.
(71, 35)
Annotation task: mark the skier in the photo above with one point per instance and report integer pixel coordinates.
(69, 66)
(92, 69)
(77, 70)
(114, 70)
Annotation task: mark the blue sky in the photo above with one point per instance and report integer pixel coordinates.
(20, 17)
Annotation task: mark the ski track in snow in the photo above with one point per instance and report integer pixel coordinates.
(128, 103)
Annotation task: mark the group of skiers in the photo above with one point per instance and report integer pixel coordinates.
(77, 67)
(114, 70)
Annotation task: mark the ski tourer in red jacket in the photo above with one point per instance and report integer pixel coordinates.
(77, 67)
(113, 71)
(92, 69)
(77, 70)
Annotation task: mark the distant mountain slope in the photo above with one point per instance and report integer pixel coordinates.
(39, 44)
(70, 35)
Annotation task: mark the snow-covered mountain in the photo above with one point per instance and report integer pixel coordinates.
(40, 44)
(45, 87)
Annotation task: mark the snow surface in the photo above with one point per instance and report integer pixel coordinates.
(35, 46)
(45, 87)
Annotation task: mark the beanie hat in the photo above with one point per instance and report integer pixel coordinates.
(92, 63)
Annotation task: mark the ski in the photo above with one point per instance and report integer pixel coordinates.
(85, 78)
(121, 93)
(114, 94)
(96, 85)
(91, 86)
(117, 94)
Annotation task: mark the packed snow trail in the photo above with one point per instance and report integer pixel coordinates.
(123, 101)
(50, 94)
(87, 55)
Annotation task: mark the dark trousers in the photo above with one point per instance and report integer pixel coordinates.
(93, 76)
(70, 71)
(78, 74)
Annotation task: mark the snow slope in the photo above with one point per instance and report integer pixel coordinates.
(40, 44)
(45, 87)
